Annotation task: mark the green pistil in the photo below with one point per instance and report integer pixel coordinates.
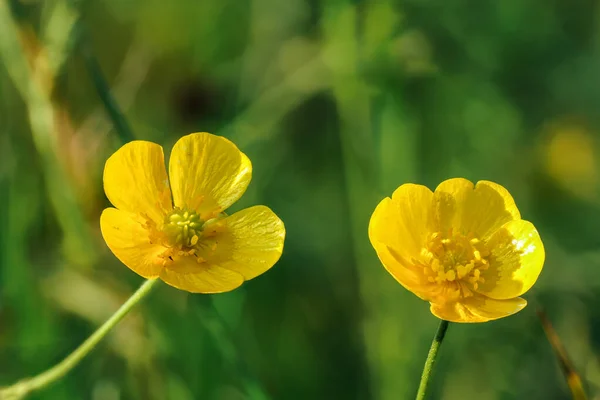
(183, 227)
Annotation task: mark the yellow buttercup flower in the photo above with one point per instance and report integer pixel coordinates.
(464, 248)
(179, 232)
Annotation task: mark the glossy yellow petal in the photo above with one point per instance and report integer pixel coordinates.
(208, 173)
(406, 274)
(127, 238)
(448, 200)
(404, 221)
(135, 180)
(237, 248)
(517, 258)
(477, 309)
(252, 241)
(187, 274)
(492, 206)
(397, 230)
(479, 210)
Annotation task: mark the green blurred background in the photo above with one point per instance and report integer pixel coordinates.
(336, 103)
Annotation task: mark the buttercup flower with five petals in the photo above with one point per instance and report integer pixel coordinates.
(178, 232)
(464, 248)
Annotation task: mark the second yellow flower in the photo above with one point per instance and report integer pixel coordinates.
(464, 248)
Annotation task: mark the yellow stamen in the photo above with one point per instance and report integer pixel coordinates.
(455, 261)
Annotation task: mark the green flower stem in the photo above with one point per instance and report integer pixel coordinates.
(431, 357)
(28, 385)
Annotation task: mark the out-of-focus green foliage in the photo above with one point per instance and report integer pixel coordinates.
(336, 103)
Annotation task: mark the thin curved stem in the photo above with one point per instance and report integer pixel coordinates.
(28, 385)
(431, 358)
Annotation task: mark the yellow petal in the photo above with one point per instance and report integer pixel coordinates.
(135, 180)
(237, 248)
(406, 274)
(479, 210)
(516, 261)
(404, 221)
(127, 238)
(254, 238)
(477, 309)
(448, 202)
(208, 173)
(398, 229)
(187, 274)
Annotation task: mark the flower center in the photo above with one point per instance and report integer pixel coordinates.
(183, 228)
(185, 234)
(455, 260)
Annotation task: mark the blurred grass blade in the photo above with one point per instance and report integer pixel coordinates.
(230, 350)
(104, 91)
(10, 51)
(353, 98)
(59, 34)
(27, 64)
(572, 377)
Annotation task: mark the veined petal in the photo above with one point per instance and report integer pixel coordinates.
(208, 173)
(130, 242)
(477, 309)
(492, 308)
(237, 248)
(404, 221)
(449, 199)
(135, 180)
(492, 206)
(516, 261)
(187, 274)
(255, 239)
(480, 209)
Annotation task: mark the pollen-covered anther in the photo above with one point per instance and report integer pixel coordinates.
(165, 258)
(456, 261)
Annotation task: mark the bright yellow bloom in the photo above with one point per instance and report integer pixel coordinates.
(464, 248)
(179, 233)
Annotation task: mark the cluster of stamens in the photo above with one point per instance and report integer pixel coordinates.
(455, 260)
(183, 227)
(185, 234)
